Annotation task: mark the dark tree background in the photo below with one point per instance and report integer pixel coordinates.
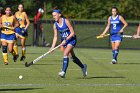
(79, 9)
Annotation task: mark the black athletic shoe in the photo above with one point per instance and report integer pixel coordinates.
(15, 58)
(5, 63)
(22, 58)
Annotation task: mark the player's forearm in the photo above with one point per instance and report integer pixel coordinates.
(138, 30)
(16, 25)
(26, 27)
(28, 23)
(70, 36)
(125, 25)
(105, 31)
(54, 42)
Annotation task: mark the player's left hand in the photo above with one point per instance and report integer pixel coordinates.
(23, 30)
(63, 42)
(135, 36)
(121, 31)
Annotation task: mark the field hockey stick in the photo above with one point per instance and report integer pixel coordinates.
(102, 36)
(108, 35)
(40, 57)
(129, 36)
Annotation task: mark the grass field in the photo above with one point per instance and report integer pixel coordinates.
(103, 77)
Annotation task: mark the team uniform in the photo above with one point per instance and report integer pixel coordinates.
(7, 35)
(65, 32)
(21, 32)
(116, 26)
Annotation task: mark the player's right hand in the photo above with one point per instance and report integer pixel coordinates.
(101, 36)
(135, 36)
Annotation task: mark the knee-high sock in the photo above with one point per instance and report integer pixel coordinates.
(65, 63)
(113, 52)
(116, 51)
(13, 52)
(23, 51)
(16, 49)
(4, 53)
(77, 61)
(5, 57)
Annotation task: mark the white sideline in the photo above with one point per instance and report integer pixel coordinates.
(69, 85)
(13, 68)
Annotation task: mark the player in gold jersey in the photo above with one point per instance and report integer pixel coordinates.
(8, 23)
(21, 32)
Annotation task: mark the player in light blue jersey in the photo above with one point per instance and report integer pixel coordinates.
(117, 24)
(68, 41)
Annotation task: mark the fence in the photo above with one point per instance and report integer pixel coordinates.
(86, 32)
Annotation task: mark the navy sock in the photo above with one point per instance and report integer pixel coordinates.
(113, 52)
(116, 54)
(65, 63)
(77, 61)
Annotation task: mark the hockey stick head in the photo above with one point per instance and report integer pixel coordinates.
(27, 65)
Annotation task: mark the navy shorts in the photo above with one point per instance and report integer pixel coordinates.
(21, 32)
(9, 38)
(116, 38)
(71, 42)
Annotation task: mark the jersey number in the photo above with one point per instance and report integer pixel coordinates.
(114, 26)
(65, 34)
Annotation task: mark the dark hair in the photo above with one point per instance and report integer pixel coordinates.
(22, 5)
(1, 10)
(114, 7)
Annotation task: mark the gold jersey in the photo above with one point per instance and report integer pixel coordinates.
(21, 18)
(7, 21)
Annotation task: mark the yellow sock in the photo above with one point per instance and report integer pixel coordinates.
(5, 57)
(23, 51)
(13, 53)
(16, 49)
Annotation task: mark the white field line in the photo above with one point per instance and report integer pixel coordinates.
(14, 68)
(119, 59)
(43, 85)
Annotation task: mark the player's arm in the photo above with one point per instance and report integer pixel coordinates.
(107, 27)
(55, 37)
(1, 23)
(124, 22)
(70, 28)
(135, 36)
(138, 30)
(16, 23)
(27, 21)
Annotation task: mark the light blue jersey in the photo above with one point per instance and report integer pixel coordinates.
(116, 26)
(65, 32)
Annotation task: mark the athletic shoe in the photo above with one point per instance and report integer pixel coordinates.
(62, 74)
(15, 58)
(46, 44)
(5, 63)
(84, 70)
(114, 61)
(22, 58)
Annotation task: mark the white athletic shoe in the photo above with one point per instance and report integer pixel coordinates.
(84, 70)
(114, 61)
(62, 74)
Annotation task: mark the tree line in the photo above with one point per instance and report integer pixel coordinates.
(79, 9)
